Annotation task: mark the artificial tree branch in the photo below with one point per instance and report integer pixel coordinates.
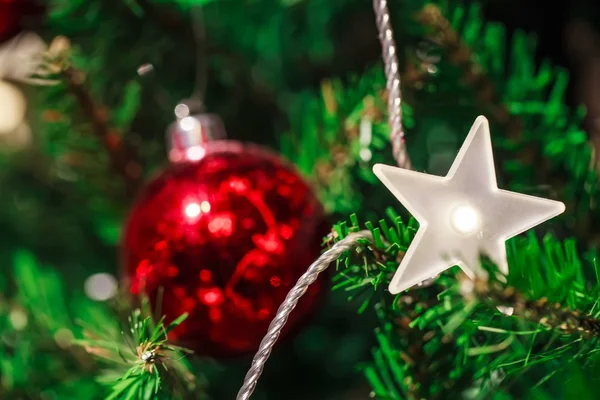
(413, 76)
(552, 315)
(486, 92)
(123, 158)
(461, 55)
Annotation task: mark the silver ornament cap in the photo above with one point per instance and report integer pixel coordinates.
(188, 137)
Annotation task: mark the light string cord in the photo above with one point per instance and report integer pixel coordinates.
(195, 103)
(266, 345)
(392, 75)
(400, 154)
(199, 27)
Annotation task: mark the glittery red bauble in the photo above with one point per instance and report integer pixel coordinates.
(12, 13)
(224, 238)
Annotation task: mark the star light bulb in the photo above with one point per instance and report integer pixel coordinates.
(461, 233)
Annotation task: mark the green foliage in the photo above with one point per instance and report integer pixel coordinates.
(143, 364)
(441, 342)
(326, 137)
(37, 357)
(42, 341)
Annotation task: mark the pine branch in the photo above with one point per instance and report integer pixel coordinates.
(142, 363)
(124, 160)
(122, 157)
(544, 146)
(36, 328)
(494, 293)
(474, 74)
(433, 344)
(412, 360)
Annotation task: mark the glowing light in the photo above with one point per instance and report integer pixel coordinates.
(221, 225)
(272, 245)
(205, 206)
(182, 111)
(100, 287)
(18, 319)
(238, 185)
(192, 210)
(465, 219)
(211, 297)
(188, 123)
(471, 180)
(270, 242)
(195, 153)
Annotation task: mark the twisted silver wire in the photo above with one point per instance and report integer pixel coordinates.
(392, 75)
(290, 302)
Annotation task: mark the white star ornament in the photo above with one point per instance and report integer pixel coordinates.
(461, 215)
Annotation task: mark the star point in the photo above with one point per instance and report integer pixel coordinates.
(462, 214)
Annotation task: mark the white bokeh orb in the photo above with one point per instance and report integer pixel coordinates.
(101, 287)
(12, 107)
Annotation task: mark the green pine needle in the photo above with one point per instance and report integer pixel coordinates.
(144, 361)
(441, 341)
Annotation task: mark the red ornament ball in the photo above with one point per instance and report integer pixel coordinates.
(224, 238)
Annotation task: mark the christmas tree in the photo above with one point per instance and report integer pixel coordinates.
(188, 184)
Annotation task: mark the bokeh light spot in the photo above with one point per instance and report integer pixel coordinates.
(101, 287)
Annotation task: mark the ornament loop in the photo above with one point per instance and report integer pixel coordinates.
(187, 137)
